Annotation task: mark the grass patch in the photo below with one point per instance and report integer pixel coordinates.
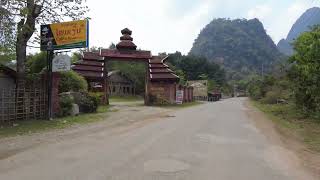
(287, 116)
(125, 98)
(34, 126)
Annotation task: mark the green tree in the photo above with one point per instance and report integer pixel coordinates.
(71, 81)
(76, 56)
(133, 71)
(36, 62)
(195, 68)
(304, 73)
(26, 14)
(7, 26)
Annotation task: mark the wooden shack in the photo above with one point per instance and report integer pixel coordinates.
(120, 85)
(7, 77)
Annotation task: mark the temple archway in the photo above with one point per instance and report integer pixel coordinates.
(160, 80)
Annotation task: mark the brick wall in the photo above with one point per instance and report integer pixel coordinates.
(163, 91)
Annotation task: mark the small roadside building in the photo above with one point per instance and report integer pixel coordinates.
(7, 93)
(200, 89)
(120, 85)
(7, 77)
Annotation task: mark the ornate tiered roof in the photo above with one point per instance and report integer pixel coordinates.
(126, 49)
(90, 66)
(126, 41)
(159, 71)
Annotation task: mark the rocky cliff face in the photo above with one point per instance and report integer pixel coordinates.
(241, 46)
(308, 19)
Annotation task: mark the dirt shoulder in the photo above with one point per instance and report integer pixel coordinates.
(122, 118)
(308, 159)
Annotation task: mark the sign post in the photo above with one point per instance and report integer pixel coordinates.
(49, 76)
(61, 63)
(58, 36)
(179, 96)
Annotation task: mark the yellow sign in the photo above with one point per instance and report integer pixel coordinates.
(66, 35)
(69, 32)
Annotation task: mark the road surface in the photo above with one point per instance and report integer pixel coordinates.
(213, 141)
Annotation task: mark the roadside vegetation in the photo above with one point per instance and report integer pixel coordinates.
(292, 98)
(190, 67)
(35, 126)
(292, 122)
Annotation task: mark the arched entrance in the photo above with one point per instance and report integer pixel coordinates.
(126, 51)
(160, 80)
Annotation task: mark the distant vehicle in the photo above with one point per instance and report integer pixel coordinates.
(214, 95)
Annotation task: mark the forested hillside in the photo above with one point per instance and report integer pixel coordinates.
(241, 46)
(199, 68)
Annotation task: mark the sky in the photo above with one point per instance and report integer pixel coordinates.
(173, 25)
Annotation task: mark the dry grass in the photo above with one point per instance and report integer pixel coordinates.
(288, 116)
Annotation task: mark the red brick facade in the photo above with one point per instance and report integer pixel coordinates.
(162, 92)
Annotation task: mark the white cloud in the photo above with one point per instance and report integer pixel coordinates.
(278, 17)
(170, 25)
(153, 27)
(260, 12)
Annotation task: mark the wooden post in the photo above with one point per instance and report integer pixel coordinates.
(106, 83)
(2, 106)
(146, 91)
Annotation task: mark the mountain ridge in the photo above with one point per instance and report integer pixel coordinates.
(308, 19)
(241, 46)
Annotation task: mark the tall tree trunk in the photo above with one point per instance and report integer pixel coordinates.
(21, 53)
(25, 30)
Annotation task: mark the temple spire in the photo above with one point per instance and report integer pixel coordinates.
(126, 41)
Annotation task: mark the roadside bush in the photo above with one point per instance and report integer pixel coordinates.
(97, 95)
(36, 63)
(71, 81)
(157, 100)
(271, 97)
(87, 103)
(255, 91)
(65, 105)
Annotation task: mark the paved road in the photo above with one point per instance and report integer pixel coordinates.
(214, 141)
